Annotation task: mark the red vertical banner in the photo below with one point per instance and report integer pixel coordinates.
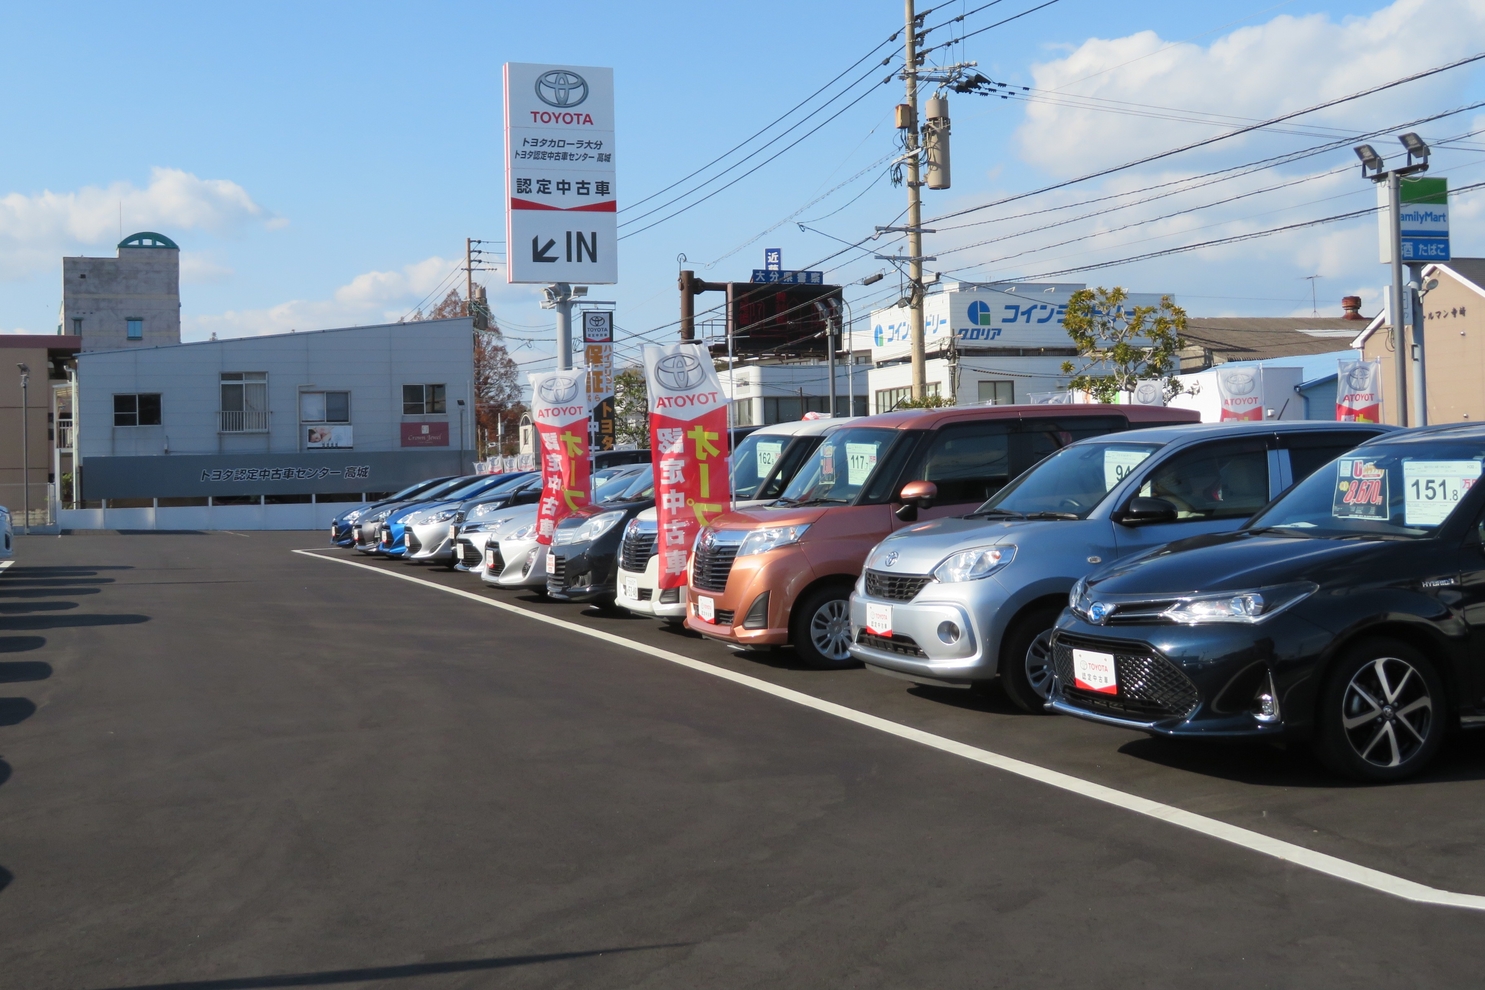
(688, 434)
(1240, 390)
(1358, 392)
(559, 413)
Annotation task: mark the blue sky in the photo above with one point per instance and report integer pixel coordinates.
(322, 164)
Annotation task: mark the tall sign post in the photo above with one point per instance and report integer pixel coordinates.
(561, 202)
(598, 353)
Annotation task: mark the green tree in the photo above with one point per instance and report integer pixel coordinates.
(1121, 346)
(631, 408)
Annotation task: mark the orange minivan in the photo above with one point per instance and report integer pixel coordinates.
(782, 573)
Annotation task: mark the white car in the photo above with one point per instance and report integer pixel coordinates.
(513, 558)
(478, 526)
(762, 465)
(7, 553)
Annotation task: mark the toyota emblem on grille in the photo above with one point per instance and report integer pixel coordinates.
(1098, 612)
(890, 559)
(561, 88)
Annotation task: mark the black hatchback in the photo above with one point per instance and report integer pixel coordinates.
(1350, 612)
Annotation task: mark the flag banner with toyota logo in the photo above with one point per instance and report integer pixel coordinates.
(1358, 392)
(688, 434)
(559, 412)
(560, 195)
(1148, 393)
(1241, 392)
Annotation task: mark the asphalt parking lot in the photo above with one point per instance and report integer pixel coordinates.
(224, 764)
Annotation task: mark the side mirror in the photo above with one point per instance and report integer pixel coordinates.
(915, 495)
(1144, 511)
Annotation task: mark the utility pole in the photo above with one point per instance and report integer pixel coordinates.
(468, 276)
(1416, 289)
(915, 205)
(25, 448)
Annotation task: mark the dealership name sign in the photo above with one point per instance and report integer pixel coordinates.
(560, 198)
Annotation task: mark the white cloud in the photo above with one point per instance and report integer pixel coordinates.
(197, 269)
(35, 229)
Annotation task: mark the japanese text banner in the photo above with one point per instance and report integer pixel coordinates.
(559, 412)
(688, 434)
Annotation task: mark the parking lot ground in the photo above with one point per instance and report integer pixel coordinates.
(229, 765)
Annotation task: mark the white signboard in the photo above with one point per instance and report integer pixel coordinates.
(1432, 489)
(560, 198)
(326, 437)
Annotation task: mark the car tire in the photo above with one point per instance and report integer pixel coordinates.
(820, 628)
(1382, 712)
(1026, 660)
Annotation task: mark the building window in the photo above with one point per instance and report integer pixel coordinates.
(135, 410)
(244, 402)
(889, 399)
(791, 408)
(997, 393)
(742, 412)
(423, 400)
(135, 327)
(77, 326)
(324, 407)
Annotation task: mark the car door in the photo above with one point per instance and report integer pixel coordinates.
(1307, 451)
(968, 462)
(1214, 485)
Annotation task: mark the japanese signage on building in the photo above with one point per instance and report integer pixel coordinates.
(328, 436)
(688, 434)
(598, 350)
(559, 413)
(1240, 390)
(1358, 392)
(560, 199)
(1423, 219)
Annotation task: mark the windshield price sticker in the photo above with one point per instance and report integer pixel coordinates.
(861, 459)
(878, 619)
(827, 464)
(1431, 489)
(1119, 464)
(1094, 671)
(768, 455)
(1360, 491)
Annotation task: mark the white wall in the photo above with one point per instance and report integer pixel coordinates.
(302, 516)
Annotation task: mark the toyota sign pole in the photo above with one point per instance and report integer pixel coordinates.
(561, 226)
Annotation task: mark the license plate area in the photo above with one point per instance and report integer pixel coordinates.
(878, 619)
(631, 588)
(1094, 671)
(706, 609)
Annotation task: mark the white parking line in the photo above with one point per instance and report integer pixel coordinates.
(1341, 869)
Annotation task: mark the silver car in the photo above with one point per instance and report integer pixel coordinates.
(957, 601)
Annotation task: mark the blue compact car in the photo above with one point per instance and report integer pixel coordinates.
(342, 527)
(392, 534)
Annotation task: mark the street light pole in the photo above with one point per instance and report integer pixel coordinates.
(25, 448)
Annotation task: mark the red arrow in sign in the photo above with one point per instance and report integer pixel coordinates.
(543, 253)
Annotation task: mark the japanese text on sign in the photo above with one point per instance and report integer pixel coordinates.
(1431, 489)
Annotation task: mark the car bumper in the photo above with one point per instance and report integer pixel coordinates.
(581, 572)
(469, 551)
(916, 648)
(1194, 681)
(429, 541)
(781, 574)
(647, 594)
(520, 564)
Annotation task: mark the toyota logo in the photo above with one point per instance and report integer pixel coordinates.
(1359, 379)
(1098, 612)
(679, 372)
(555, 391)
(890, 559)
(561, 88)
(1239, 382)
(1147, 393)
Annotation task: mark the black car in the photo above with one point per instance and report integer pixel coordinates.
(583, 561)
(1350, 612)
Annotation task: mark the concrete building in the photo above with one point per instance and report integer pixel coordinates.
(132, 300)
(768, 393)
(269, 432)
(1454, 344)
(46, 358)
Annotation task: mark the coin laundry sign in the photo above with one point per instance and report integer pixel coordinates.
(560, 199)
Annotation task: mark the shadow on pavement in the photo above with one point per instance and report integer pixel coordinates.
(334, 976)
(5, 877)
(55, 582)
(14, 608)
(73, 621)
(14, 710)
(4, 771)
(21, 644)
(15, 671)
(45, 592)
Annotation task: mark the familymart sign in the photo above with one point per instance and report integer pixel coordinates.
(1423, 216)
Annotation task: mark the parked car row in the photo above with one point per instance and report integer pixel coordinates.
(1305, 581)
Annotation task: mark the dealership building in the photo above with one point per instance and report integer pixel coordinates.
(269, 432)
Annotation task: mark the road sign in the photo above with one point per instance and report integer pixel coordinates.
(1423, 219)
(788, 278)
(560, 192)
(773, 259)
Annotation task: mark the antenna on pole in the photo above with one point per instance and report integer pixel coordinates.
(1314, 306)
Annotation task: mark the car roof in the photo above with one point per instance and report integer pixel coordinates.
(927, 419)
(803, 427)
(1443, 431)
(1206, 431)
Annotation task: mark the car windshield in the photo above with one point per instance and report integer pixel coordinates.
(412, 490)
(840, 467)
(443, 490)
(612, 489)
(1401, 491)
(478, 486)
(752, 459)
(1071, 482)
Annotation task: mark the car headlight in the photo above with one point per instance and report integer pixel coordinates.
(591, 529)
(524, 533)
(486, 509)
(764, 540)
(433, 516)
(1239, 606)
(353, 515)
(971, 565)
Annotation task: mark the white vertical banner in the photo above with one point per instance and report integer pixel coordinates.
(1240, 391)
(1150, 393)
(560, 197)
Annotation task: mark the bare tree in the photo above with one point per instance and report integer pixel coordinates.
(497, 381)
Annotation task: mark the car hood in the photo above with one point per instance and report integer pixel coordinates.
(765, 516)
(919, 548)
(1240, 561)
(520, 516)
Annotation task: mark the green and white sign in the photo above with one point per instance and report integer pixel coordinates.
(1423, 217)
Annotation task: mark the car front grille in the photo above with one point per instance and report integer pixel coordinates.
(895, 587)
(644, 593)
(469, 555)
(637, 550)
(904, 646)
(413, 543)
(556, 572)
(711, 565)
(1150, 686)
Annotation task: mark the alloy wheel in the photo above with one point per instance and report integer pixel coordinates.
(1387, 712)
(830, 629)
(1039, 664)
